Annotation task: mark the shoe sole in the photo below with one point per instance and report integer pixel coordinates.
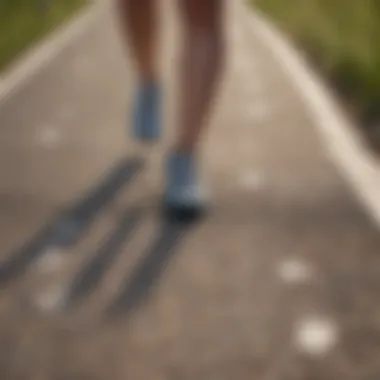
(183, 214)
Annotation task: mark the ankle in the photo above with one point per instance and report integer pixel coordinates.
(148, 79)
(184, 148)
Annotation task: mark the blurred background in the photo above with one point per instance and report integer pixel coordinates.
(24, 22)
(341, 39)
(281, 281)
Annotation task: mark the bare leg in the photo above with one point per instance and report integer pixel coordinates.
(200, 70)
(140, 22)
(201, 66)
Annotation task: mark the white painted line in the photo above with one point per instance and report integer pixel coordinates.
(315, 336)
(356, 162)
(51, 300)
(294, 271)
(51, 261)
(50, 137)
(253, 180)
(40, 55)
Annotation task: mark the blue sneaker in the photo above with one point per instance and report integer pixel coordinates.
(147, 113)
(183, 198)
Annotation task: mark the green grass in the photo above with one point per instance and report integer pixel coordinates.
(343, 36)
(23, 22)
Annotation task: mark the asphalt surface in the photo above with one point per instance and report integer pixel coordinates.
(280, 281)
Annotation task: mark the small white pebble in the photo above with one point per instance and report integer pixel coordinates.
(51, 300)
(51, 261)
(50, 137)
(294, 271)
(316, 336)
(253, 180)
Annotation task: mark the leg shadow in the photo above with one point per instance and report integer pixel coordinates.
(70, 225)
(137, 288)
(88, 279)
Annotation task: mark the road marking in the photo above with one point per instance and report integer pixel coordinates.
(294, 271)
(51, 300)
(50, 137)
(51, 261)
(36, 58)
(355, 161)
(315, 336)
(253, 180)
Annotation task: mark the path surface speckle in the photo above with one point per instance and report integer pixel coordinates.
(280, 281)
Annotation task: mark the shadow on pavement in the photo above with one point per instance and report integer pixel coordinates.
(87, 280)
(70, 225)
(148, 271)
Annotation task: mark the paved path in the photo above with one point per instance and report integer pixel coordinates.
(279, 282)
